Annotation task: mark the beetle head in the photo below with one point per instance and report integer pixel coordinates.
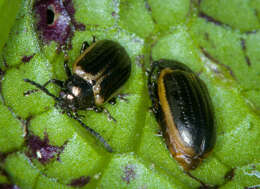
(77, 94)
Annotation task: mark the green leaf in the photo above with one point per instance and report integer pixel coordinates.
(218, 40)
(8, 10)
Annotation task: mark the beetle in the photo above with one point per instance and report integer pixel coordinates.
(98, 73)
(182, 107)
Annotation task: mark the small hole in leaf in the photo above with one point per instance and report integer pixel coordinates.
(50, 16)
(54, 20)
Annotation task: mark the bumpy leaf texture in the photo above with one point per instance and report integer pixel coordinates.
(42, 148)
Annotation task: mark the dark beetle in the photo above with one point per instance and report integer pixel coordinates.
(182, 107)
(98, 73)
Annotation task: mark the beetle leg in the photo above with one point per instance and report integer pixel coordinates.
(147, 72)
(152, 90)
(112, 101)
(109, 116)
(79, 115)
(92, 131)
(123, 97)
(197, 179)
(97, 109)
(84, 46)
(103, 109)
(155, 108)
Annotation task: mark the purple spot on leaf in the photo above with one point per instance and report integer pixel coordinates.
(70, 9)
(129, 173)
(114, 14)
(55, 21)
(80, 182)
(253, 187)
(27, 58)
(41, 149)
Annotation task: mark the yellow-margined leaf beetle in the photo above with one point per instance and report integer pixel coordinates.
(182, 107)
(98, 73)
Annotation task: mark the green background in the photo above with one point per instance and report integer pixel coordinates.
(217, 39)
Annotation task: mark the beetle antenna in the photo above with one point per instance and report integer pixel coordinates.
(150, 83)
(152, 90)
(41, 88)
(92, 131)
